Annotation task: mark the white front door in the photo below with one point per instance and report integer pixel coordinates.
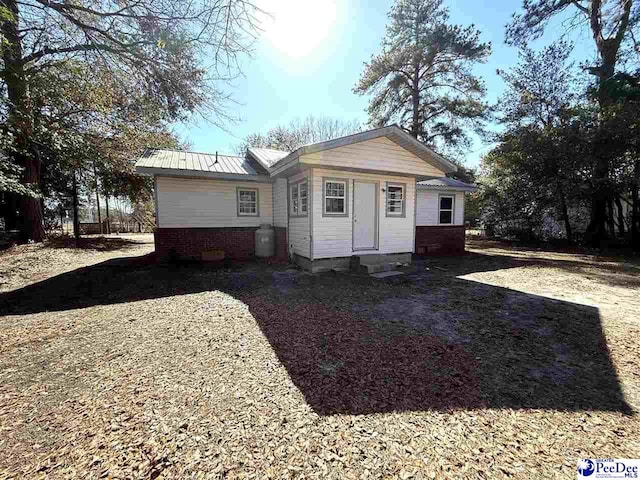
(365, 211)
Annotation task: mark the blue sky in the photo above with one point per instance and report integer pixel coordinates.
(311, 54)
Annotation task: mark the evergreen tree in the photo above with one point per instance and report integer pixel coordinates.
(614, 26)
(423, 77)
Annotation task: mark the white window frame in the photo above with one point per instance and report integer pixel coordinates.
(452, 209)
(295, 199)
(345, 197)
(303, 211)
(239, 190)
(403, 208)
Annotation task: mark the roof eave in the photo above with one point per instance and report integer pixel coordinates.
(173, 172)
(471, 188)
(284, 164)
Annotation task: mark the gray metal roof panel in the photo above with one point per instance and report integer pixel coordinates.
(445, 183)
(195, 161)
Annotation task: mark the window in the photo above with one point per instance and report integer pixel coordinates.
(247, 202)
(299, 199)
(335, 197)
(294, 199)
(395, 200)
(304, 198)
(446, 209)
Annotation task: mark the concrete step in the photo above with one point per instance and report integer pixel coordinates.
(373, 263)
(386, 274)
(377, 267)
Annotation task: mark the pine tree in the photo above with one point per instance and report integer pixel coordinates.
(423, 77)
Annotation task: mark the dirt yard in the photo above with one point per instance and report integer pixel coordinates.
(506, 363)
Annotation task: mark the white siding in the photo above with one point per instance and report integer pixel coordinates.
(280, 203)
(299, 231)
(190, 202)
(332, 236)
(428, 204)
(378, 154)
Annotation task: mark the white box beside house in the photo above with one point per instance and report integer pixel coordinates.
(352, 196)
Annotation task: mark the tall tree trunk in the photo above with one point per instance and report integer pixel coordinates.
(608, 48)
(20, 123)
(415, 88)
(563, 201)
(596, 230)
(95, 173)
(106, 202)
(76, 213)
(99, 213)
(610, 219)
(565, 216)
(415, 98)
(635, 208)
(620, 216)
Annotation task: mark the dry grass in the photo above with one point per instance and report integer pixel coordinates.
(504, 363)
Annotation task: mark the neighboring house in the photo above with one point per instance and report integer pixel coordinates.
(328, 202)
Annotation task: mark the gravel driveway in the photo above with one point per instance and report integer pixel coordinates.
(503, 363)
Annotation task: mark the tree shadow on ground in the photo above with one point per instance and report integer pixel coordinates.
(355, 345)
(101, 244)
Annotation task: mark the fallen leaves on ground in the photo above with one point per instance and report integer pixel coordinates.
(145, 371)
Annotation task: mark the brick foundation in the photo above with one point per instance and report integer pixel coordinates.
(440, 240)
(238, 243)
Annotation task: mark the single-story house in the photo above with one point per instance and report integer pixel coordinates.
(380, 194)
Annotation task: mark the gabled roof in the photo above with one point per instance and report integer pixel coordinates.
(392, 132)
(181, 163)
(267, 156)
(445, 183)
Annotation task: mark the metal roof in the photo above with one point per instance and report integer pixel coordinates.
(444, 183)
(188, 162)
(267, 156)
(392, 132)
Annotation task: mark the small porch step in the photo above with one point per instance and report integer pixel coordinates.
(375, 263)
(377, 267)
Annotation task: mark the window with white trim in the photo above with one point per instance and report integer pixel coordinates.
(299, 199)
(335, 197)
(395, 200)
(247, 202)
(293, 197)
(304, 198)
(445, 211)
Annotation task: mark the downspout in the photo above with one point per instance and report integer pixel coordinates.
(155, 198)
(310, 211)
(289, 245)
(415, 212)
